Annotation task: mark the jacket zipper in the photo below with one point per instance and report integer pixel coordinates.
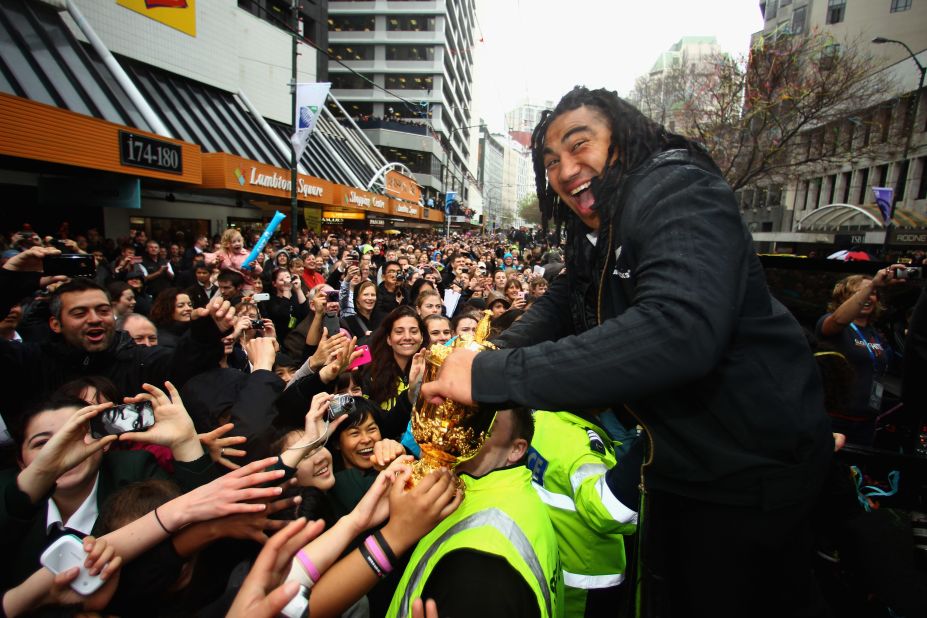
(650, 449)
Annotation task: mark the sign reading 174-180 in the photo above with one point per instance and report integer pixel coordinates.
(153, 154)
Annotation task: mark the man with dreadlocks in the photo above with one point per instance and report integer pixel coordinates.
(664, 308)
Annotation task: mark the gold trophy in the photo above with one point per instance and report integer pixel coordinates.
(449, 433)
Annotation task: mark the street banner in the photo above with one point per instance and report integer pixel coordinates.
(309, 101)
(448, 200)
(884, 196)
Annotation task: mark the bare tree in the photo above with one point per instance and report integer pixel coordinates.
(528, 209)
(798, 102)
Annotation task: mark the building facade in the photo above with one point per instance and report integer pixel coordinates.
(404, 71)
(175, 125)
(837, 204)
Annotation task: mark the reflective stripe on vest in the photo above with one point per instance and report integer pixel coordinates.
(499, 520)
(615, 507)
(574, 580)
(558, 501)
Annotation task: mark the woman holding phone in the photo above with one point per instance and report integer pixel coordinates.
(287, 304)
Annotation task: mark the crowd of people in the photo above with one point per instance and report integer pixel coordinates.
(273, 475)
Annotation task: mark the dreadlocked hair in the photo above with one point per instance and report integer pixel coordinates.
(634, 139)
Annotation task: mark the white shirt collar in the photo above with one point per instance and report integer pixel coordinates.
(593, 238)
(83, 518)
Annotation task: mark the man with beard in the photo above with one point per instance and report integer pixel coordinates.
(664, 309)
(85, 341)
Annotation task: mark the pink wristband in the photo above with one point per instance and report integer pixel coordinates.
(371, 544)
(313, 572)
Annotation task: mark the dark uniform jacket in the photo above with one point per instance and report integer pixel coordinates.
(669, 313)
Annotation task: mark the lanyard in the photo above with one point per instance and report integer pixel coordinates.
(872, 354)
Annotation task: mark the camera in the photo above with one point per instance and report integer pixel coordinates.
(257, 325)
(911, 272)
(331, 296)
(339, 406)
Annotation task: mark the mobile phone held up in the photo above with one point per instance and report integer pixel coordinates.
(122, 419)
(363, 359)
(332, 323)
(69, 265)
(66, 553)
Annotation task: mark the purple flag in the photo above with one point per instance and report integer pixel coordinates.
(884, 198)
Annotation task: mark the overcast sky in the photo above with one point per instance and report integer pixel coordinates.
(542, 48)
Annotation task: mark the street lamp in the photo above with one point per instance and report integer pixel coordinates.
(899, 184)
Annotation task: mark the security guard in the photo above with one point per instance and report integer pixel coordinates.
(570, 459)
(496, 555)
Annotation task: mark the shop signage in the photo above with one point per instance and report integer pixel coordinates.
(332, 220)
(909, 237)
(402, 187)
(402, 208)
(377, 222)
(278, 181)
(153, 154)
(362, 199)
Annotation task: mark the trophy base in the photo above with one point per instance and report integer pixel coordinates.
(431, 461)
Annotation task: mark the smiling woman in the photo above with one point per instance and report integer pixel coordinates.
(393, 344)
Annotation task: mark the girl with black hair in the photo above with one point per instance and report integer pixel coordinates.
(395, 363)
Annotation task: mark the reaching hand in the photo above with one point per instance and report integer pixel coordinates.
(416, 375)
(101, 560)
(329, 345)
(230, 494)
(218, 447)
(220, 310)
(316, 425)
(264, 593)
(68, 447)
(173, 426)
(251, 526)
(373, 508)
(428, 609)
(30, 260)
(262, 352)
(386, 452)
(340, 360)
(415, 512)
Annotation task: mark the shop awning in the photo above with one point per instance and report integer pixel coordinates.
(330, 150)
(42, 61)
(848, 217)
(204, 115)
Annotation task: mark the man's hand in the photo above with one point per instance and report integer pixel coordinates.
(454, 379)
(173, 426)
(262, 352)
(30, 260)
(220, 310)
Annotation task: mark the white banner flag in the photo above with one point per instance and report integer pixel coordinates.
(309, 101)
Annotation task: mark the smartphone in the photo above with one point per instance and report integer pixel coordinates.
(260, 296)
(363, 359)
(123, 419)
(66, 553)
(332, 322)
(331, 296)
(69, 265)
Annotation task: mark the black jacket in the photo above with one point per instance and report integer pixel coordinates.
(683, 331)
(30, 372)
